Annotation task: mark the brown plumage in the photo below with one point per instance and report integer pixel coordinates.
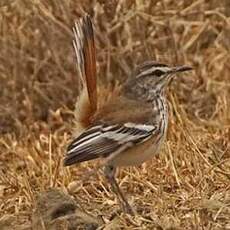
(130, 127)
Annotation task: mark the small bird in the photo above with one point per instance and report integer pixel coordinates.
(130, 127)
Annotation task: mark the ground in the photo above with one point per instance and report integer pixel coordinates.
(188, 184)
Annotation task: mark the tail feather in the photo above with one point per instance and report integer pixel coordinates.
(84, 46)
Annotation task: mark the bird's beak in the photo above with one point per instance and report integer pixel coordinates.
(178, 69)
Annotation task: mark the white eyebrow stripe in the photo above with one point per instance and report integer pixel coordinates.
(164, 69)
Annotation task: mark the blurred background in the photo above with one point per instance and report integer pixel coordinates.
(39, 82)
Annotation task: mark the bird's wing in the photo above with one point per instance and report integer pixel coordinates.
(104, 139)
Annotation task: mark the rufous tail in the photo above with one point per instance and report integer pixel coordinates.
(84, 46)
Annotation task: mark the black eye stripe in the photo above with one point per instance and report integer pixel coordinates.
(152, 72)
(158, 72)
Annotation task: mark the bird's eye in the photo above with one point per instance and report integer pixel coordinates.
(158, 72)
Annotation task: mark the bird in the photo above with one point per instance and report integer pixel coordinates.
(130, 127)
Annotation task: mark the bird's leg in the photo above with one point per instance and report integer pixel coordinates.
(110, 176)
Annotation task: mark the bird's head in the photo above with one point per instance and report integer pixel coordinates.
(152, 78)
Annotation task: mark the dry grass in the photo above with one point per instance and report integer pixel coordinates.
(188, 184)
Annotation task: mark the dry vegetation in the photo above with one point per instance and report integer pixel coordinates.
(188, 184)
